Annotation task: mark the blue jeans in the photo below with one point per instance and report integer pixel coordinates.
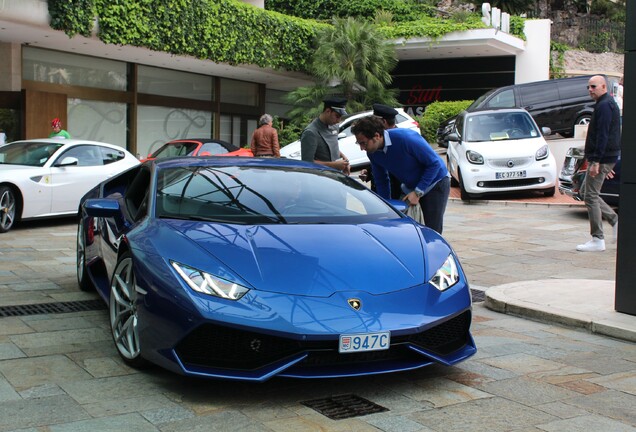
(434, 204)
(597, 208)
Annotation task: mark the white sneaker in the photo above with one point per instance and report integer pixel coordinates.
(594, 245)
(615, 232)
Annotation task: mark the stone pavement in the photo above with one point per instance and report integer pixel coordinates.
(60, 372)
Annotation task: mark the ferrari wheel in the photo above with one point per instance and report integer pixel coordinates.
(83, 280)
(124, 321)
(7, 208)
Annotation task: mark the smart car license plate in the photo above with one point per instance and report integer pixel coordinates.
(510, 175)
(364, 342)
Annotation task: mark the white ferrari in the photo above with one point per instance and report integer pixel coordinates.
(43, 178)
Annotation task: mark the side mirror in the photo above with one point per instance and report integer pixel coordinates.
(68, 161)
(100, 207)
(451, 137)
(399, 205)
(546, 131)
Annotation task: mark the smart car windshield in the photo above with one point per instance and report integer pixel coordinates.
(500, 126)
(265, 195)
(28, 153)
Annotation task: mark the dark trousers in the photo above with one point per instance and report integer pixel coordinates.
(434, 204)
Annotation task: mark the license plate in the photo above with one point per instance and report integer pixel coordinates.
(364, 342)
(510, 174)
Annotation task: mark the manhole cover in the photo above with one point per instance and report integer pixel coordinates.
(477, 296)
(344, 406)
(47, 308)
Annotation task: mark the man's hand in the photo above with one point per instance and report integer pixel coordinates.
(412, 198)
(610, 175)
(594, 169)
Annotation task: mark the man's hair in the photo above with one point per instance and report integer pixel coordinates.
(265, 119)
(368, 126)
(390, 121)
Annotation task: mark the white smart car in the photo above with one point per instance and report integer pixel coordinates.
(347, 141)
(500, 150)
(42, 178)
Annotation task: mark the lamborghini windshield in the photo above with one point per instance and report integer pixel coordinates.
(257, 195)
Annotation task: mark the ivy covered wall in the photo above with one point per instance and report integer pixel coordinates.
(233, 32)
(224, 31)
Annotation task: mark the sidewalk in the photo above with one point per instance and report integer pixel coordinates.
(584, 303)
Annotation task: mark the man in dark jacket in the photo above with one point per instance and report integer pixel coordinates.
(602, 148)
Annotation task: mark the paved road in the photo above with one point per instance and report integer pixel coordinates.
(59, 371)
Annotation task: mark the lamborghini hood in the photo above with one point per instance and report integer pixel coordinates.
(316, 260)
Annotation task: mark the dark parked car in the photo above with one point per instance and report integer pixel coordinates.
(558, 104)
(573, 174)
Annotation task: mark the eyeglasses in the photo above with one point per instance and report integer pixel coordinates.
(591, 87)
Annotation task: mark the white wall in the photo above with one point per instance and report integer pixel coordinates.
(257, 3)
(534, 63)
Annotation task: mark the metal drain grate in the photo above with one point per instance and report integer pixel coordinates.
(477, 296)
(344, 406)
(48, 308)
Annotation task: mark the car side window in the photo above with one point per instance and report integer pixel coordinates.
(505, 99)
(109, 155)
(538, 94)
(86, 155)
(459, 125)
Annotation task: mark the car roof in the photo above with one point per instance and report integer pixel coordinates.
(368, 113)
(211, 161)
(493, 110)
(67, 141)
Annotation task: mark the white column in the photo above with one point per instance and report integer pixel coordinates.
(534, 63)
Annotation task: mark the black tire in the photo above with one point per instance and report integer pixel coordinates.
(8, 208)
(83, 280)
(465, 196)
(549, 192)
(124, 320)
(453, 181)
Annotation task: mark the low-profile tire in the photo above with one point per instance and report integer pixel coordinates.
(465, 196)
(453, 181)
(8, 208)
(83, 280)
(124, 320)
(549, 192)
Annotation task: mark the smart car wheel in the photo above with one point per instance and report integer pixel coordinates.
(465, 196)
(124, 321)
(453, 181)
(549, 192)
(7, 208)
(83, 280)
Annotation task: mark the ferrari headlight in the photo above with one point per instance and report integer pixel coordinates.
(446, 276)
(206, 283)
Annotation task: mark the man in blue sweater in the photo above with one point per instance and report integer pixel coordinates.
(406, 155)
(602, 148)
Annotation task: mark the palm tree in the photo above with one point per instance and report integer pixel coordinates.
(353, 60)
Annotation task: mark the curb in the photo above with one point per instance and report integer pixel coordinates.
(541, 300)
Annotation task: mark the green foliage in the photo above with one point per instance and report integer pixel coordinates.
(611, 10)
(352, 60)
(433, 28)
(402, 10)
(225, 31)
(72, 16)
(517, 24)
(557, 59)
(290, 132)
(436, 113)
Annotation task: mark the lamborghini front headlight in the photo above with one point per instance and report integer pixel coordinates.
(206, 283)
(446, 276)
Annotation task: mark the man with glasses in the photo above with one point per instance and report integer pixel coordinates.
(319, 140)
(406, 154)
(602, 148)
